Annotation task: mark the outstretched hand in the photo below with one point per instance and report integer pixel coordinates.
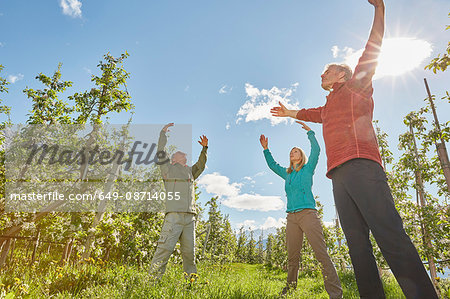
(280, 111)
(304, 126)
(203, 140)
(166, 127)
(376, 3)
(264, 141)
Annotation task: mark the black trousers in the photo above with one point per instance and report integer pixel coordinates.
(364, 202)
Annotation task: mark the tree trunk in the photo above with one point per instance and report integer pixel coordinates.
(13, 246)
(69, 252)
(425, 234)
(64, 255)
(36, 244)
(206, 239)
(106, 255)
(102, 206)
(5, 250)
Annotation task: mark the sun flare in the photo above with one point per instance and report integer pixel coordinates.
(398, 56)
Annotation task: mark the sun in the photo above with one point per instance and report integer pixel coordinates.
(398, 56)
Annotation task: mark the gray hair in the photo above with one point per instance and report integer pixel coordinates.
(341, 68)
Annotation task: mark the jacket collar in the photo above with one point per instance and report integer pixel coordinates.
(179, 165)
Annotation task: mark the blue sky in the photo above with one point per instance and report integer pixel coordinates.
(202, 62)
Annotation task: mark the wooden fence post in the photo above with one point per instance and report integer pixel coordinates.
(440, 147)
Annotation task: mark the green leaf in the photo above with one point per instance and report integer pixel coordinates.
(10, 295)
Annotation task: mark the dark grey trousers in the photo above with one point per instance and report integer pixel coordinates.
(364, 202)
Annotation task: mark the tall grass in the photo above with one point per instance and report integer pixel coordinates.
(94, 279)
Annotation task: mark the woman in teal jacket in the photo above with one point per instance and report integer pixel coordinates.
(301, 211)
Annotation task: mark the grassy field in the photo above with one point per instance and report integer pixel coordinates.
(93, 279)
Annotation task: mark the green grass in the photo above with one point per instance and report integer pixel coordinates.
(93, 279)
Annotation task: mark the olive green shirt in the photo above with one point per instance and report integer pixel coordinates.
(179, 181)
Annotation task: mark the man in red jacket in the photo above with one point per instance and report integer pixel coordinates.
(361, 193)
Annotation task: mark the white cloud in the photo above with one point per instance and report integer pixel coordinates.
(344, 52)
(269, 223)
(254, 202)
(335, 50)
(219, 185)
(222, 89)
(186, 88)
(272, 222)
(227, 126)
(1, 44)
(71, 8)
(261, 173)
(258, 105)
(249, 179)
(231, 196)
(328, 223)
(247, 224)
(225, 89)
(87, 70)
(14, 78)
(397, 56)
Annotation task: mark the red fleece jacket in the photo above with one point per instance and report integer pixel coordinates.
(347, 115)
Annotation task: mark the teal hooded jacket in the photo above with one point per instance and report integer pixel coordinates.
(298, 184)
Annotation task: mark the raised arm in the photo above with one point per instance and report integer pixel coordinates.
(315, 149)
(368, 61)
(162, 137)
(377, 32)
(163, 160)
(282, 111)
(312, 115)
(198, 167)
(274, 166)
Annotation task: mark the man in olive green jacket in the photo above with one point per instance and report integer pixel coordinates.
(179, 221)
